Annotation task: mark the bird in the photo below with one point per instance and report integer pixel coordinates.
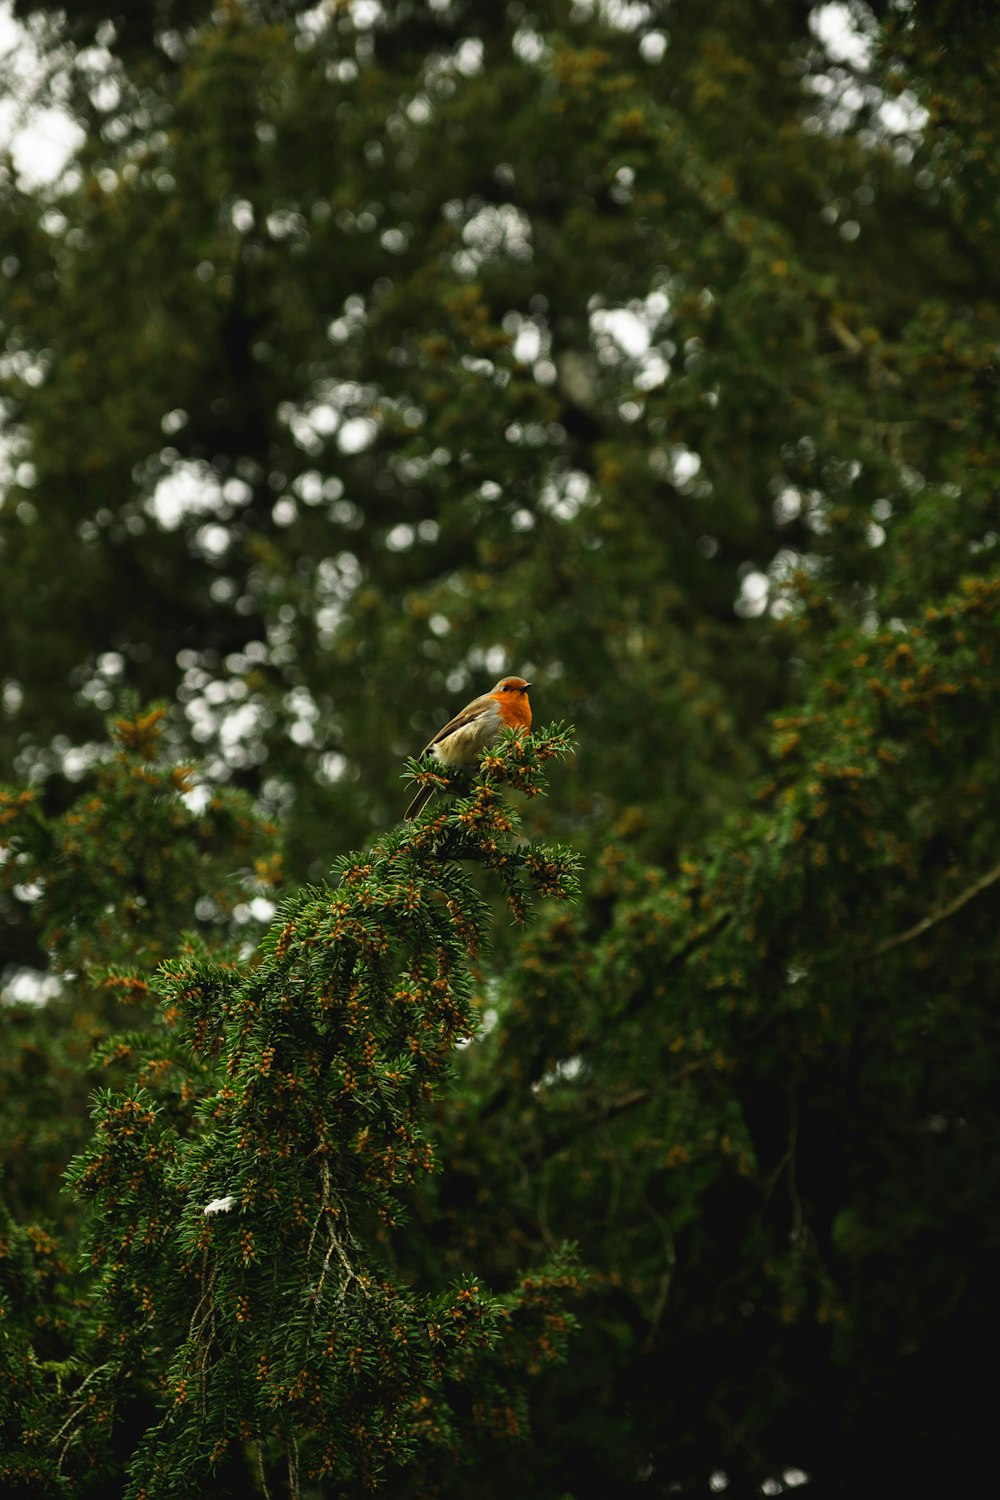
(460, 744)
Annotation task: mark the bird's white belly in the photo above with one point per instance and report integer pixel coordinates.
(465, 746)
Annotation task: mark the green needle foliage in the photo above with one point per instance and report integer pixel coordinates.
(760, 1094)
(231, 1261)
(94, 897)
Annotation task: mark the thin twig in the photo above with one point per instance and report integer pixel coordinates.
(850, 341)
(293, 1469)
(543, 1210)
(260, 1469)
(609, 1108)
(79, 1407)
(670, 1265)
(933, 918)
(323, 1204)
(798, 1220)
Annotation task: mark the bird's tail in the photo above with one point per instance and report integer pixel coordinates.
(419, 802)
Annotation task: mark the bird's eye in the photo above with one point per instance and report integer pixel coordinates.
(505, 687)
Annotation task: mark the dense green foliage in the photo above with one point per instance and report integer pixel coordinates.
(233, 1317)
(364, 352)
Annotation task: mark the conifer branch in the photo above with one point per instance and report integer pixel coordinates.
(330, 1045)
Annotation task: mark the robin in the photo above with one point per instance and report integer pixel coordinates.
(460, 744)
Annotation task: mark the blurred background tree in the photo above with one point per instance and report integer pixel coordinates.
(363, 352)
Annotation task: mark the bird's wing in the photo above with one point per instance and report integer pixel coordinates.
(468, 715)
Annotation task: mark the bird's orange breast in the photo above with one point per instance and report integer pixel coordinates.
(515, 710)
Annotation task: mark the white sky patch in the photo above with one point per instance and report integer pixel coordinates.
(303, 712)
(565, 1071)
(528, 343)
(653, 46)
(628, 330)
(903, 115)
(216, 714)
(79, 759)
(635, 332)
(528, 45)
(212, 541)
(239, 725)
(840, 28)
(356, 434)
(332, 767)
(787, 505)
(468, 56)
(42, 147)
(260, 909)
(40, 141)
(311, 24)
(653, 373)
(336, 580)
(623, 15)
(364, 13)
(565, 495)
(197, 799)
(837, 28)
(339, 409)
(190, 489)
(755, 590)
(31, 987)
(626, 15)
(10, 32)
(494, 658)
(495, 230)
(324, 419)
(685, 463)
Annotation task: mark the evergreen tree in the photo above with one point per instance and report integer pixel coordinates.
(362, 353)
(240, 1329)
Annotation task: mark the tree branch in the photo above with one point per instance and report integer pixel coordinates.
(933, 918)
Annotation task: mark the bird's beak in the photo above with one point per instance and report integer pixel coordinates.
(526, 687)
